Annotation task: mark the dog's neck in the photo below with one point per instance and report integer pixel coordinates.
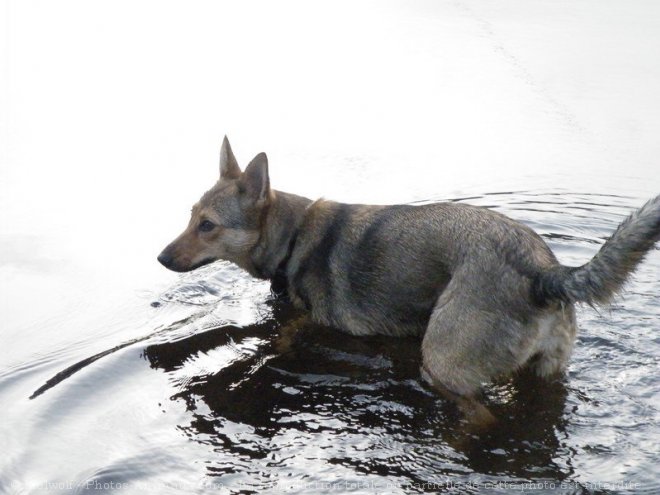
(279, 230)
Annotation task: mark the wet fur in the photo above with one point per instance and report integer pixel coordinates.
(485, 292)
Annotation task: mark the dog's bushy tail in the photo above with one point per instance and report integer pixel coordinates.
(601, 278)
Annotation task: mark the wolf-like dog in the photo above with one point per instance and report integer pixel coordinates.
(486, 293)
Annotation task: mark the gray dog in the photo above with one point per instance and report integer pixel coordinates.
(486, 292)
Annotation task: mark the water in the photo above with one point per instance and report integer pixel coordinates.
(116, 374)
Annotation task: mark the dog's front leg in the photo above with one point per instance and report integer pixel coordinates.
(283, 343)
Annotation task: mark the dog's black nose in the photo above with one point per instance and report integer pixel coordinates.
(165, 259)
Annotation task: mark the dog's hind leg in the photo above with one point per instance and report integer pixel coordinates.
(556, 330)
(469, 341)
(474, 411)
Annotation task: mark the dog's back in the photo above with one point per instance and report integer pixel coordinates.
(380, 269)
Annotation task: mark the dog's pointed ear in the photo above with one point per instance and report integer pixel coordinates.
(229, 168)
(255, 180)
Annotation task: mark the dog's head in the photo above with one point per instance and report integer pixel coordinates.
(225, 223)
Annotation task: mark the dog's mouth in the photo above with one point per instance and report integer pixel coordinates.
(171, 264)
(205, 261)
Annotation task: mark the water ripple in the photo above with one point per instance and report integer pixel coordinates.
(207, 379)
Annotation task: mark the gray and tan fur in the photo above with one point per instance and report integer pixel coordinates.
(485, 291)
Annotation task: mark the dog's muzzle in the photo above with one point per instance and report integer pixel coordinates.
(166, 259)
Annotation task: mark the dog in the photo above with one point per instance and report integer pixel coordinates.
(485, 292)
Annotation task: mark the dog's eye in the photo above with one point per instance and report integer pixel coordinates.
(206, 226)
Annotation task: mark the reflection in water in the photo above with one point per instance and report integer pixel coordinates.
(251, 396)
(346, 401)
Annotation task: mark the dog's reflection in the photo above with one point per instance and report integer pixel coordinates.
(284, 373)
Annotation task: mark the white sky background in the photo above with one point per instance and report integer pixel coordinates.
(112, 112)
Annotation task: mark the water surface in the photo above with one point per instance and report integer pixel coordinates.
(118, 375)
